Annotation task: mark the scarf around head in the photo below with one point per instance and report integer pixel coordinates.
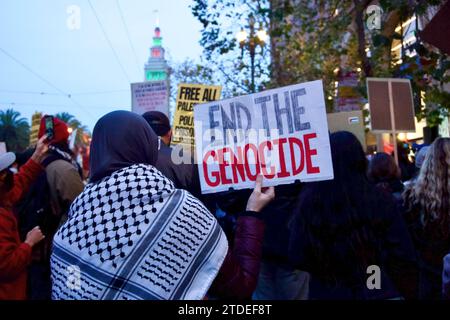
(134, 236)
(121, 139)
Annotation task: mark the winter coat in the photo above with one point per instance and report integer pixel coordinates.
(432, 245)
(14, 255)
(183, 175)
(238, 275)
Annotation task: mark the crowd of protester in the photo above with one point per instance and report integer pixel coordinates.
(140, 228)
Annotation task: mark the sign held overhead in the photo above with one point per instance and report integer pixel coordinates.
(187, 97)
(150, 96)
(280, 133)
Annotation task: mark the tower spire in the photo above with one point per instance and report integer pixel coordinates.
(156, 67)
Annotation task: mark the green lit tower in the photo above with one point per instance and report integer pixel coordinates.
(156, 69)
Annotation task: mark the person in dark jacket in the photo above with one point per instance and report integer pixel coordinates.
(407, 168)
(385, 174)
(278, 278)
(15, 256)
(343, 228)
(183, 175)
(427, 201)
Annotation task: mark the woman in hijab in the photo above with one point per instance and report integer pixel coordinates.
(131, 235)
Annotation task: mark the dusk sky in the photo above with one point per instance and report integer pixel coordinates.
(39, 53)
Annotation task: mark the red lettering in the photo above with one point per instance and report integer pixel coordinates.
(262, 146)
(210, 183)
(252, 177)
(283, 173)
(223, 164)
(309, 153)
(237, 165)
(294, 141)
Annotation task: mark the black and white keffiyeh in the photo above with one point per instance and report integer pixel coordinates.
(132, 235)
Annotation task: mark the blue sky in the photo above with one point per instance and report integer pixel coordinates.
(80, 62)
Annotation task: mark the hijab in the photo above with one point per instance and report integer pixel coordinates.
(121, 139)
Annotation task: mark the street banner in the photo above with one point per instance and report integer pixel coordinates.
(351, 121)
(150, 96)
(188, 96)
(281, 134)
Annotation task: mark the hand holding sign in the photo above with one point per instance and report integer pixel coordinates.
(281, 134)
(260, 197)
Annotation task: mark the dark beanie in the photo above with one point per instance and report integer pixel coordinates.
(158, 121)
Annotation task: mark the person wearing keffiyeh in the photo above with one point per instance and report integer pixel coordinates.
(132, 235)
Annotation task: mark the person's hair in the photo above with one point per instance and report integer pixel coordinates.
(431, 189)
(382, 167)
(342, 219)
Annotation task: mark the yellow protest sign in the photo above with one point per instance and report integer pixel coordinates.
(35, 123)
(188, 96)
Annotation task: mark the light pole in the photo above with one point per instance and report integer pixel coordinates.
(255, 39)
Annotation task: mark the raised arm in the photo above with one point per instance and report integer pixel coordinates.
(238, 275)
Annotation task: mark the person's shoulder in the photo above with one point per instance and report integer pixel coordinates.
(60, 165)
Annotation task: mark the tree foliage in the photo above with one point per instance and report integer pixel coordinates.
(221, 20)
(310, 39)
(14, 130)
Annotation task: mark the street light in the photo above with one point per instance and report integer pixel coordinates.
(255, 39)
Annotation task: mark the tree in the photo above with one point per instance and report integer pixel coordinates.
(222, 20)
(309, 38)
(188, 71)
(82, 131)
(14, 130)
(426, 67)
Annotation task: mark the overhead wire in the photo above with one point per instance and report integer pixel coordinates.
(109, 42)
(44, 80)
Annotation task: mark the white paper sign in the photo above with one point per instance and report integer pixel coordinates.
(150, 96)
(2, 148)
(280, 133)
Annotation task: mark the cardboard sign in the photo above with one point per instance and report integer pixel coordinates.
(281, 134)
(187, 97)
(351, 121)
(150, 96)
(384, 101)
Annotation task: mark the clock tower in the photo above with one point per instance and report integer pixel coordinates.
(156, 69)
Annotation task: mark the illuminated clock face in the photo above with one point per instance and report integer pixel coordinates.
(156, 53)
(156, 75)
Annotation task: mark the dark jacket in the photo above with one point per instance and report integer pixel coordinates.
(432, 245)
(392, 187)
(15, 256)
(396, 259)
(238, 276)
(277, 215)
(183, 175)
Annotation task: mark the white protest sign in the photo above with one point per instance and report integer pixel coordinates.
(280, 133)
(150, 96)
